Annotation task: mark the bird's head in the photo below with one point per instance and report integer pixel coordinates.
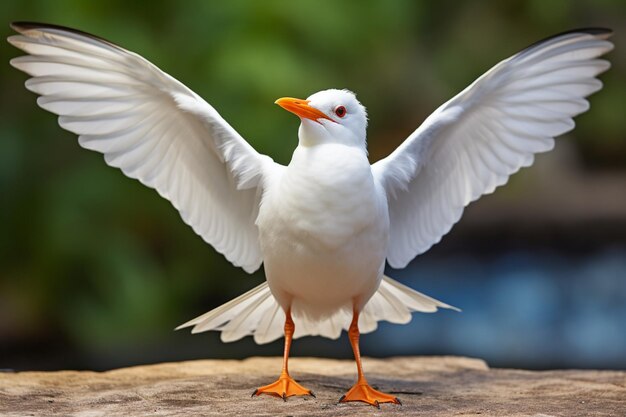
(329, 116)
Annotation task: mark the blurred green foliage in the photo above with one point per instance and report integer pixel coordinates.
(97, 259)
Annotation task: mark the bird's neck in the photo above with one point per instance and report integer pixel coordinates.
(313, 134)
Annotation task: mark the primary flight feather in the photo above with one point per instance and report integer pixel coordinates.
(325, 224)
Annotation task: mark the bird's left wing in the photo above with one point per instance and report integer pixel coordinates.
(474, 142)
(153, 128)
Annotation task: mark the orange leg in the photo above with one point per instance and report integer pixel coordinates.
(285, 386)
(361, 391)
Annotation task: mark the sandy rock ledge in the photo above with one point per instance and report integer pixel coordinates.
(427, 386)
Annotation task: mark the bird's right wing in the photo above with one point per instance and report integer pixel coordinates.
(475, 141)
(153, 128)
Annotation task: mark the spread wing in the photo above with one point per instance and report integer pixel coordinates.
(153, 128)
(474, 142)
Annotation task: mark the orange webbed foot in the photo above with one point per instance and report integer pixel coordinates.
(361, 391)
(285, 387)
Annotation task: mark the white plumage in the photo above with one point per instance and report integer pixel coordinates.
(392, 302)
(153, 128)
(325, 224)
(474, 142)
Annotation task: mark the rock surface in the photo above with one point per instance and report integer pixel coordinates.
(427, 386)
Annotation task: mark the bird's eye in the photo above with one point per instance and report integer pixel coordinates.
(340, 111)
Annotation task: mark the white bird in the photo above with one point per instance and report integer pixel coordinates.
(325, 224)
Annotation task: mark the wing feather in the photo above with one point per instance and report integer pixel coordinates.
(475, 141)
(151, 127)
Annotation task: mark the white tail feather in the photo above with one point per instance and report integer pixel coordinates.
(257, 313)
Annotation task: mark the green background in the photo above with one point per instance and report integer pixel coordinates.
(92, 262)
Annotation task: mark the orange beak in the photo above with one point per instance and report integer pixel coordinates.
(301, 108)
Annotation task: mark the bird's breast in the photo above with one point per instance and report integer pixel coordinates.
(324, 230)
(327, 196)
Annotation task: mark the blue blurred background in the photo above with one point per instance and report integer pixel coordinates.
(96, 270)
